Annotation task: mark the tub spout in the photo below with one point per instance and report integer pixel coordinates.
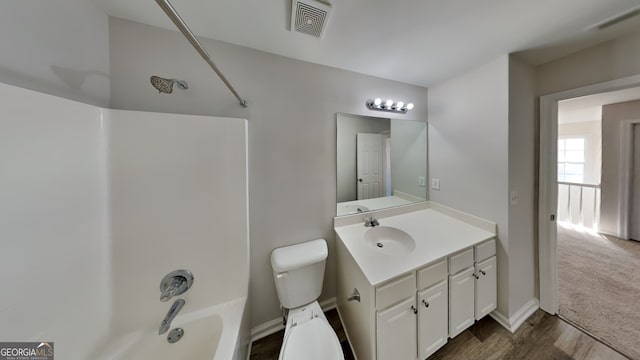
(175, 309)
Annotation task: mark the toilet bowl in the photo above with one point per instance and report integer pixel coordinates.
(309, 336)
(298, 271)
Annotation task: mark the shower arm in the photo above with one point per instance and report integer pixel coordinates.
(184, 29)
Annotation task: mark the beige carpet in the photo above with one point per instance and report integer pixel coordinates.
(599, 287)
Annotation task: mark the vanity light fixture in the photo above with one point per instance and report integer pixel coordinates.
(389, 105)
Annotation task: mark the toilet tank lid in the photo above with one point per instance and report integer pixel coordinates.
(299, 255)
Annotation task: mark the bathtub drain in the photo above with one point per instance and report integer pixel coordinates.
(175, 335)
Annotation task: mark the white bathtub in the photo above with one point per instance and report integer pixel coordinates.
(212, 333)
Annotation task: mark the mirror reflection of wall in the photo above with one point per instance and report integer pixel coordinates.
(381, 163)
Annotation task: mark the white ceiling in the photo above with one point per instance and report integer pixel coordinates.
(589, 108)
(419, 42)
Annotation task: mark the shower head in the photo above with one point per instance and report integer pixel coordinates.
(166, 85)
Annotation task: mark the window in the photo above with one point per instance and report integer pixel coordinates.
(571, 158)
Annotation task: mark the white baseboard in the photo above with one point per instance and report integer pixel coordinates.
(513, 323)
(275, 325)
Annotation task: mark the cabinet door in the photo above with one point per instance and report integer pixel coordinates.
(486, 287)
(461, 302)
(432, 319)
(396, 331)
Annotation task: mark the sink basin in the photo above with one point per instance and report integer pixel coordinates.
(389, 240)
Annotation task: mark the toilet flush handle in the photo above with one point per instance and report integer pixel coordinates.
(355, 295)
(282, 275)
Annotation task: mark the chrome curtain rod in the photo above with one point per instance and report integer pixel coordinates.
(184, 29)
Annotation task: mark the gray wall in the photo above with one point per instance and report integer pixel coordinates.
(408, 149)
(522, 179)
(610, 60)
(482, 147)
(292, 130)
(613, 116)
(57, 47)
(348, 128)
(468, 144)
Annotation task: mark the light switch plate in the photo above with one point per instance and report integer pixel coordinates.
(514, 197)
(421, 181)
(435, 184)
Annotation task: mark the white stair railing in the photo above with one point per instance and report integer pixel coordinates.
(579, 204)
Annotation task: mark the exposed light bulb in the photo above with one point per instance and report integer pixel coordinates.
(409, 106)
(388, 103)
(377, 101)
(400, 104)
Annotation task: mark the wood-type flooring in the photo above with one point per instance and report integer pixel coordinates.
(542, 337)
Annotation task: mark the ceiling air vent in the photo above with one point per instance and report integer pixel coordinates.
(309, 17)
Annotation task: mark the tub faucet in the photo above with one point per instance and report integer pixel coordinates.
(175, 283)
(175, 309)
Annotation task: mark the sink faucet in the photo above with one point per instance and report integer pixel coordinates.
(175, 309)
(371, 222)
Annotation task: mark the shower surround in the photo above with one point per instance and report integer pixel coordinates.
(97, 205)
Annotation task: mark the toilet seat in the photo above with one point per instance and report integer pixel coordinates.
(312, 340)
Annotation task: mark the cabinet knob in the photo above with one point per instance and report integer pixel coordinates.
(483, 272)
(425, 302)
(476, 276)
(413, 308)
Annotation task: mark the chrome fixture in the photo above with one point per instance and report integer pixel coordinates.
(184, 29)
(175, 283)
(355, 295)
(175, 335)
(166, 85)
(175, 309)
(371, 222)
(389, 105)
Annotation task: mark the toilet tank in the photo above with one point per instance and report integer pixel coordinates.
(298, 271)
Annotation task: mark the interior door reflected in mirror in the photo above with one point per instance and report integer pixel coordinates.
(381, 163)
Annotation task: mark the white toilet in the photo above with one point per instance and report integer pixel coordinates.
(298, 271)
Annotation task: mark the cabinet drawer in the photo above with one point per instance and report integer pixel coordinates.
(432, 274)
(460, 261)
(485, 250)
(395, 291)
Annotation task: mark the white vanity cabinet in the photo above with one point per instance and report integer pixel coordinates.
(432, 303)
(413, 315)
(486, 279)
(396, 318)
(461, 292)
(461, 301)
(417, 325)
(396, 331)
(432, 319)
(473, 288)
(397, 306)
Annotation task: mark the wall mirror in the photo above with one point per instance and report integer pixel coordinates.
(381, 163)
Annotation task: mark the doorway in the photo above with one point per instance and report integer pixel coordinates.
(548, 191)
(634, 213)
(603, 250)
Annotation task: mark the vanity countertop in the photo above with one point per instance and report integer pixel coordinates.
(437, 234)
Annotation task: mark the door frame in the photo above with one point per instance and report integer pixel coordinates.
(626, 177)
(548, 189)
(379, 163)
